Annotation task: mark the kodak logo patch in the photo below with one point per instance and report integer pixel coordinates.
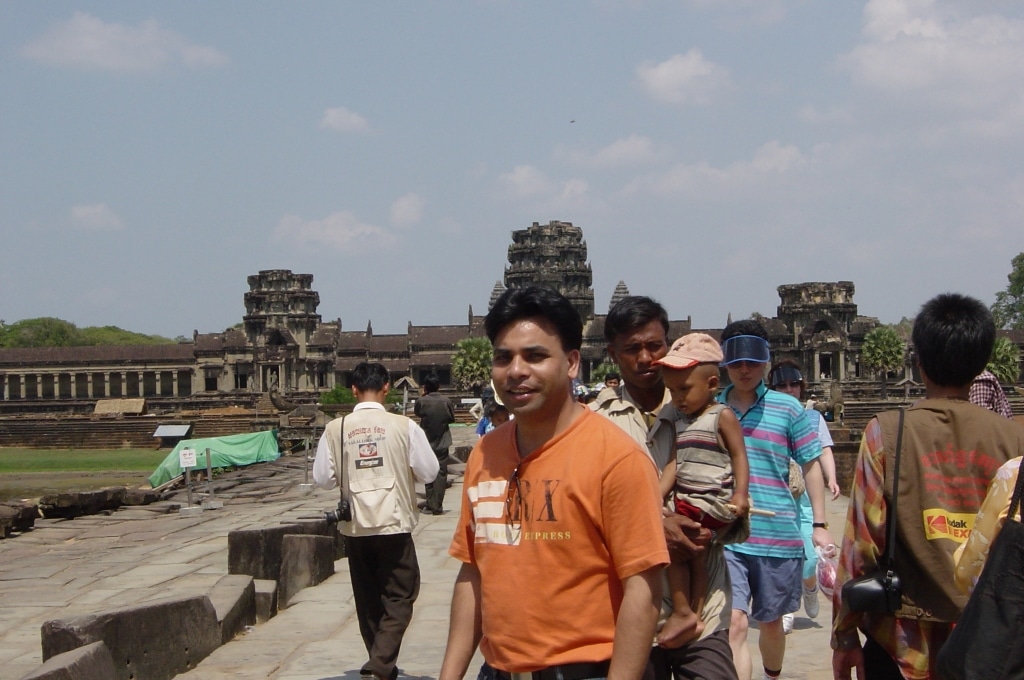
(939, 523)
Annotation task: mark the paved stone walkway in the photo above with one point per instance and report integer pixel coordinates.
(73, 567)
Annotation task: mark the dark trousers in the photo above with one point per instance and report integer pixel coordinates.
(707, 659)
(878, 665)
(436, 489)
(385, 582)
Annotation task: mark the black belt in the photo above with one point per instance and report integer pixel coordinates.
(569, 671)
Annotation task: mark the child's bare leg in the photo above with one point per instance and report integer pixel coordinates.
(683, 624)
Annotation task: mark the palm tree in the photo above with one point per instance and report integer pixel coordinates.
(1005, 361)
(471, 363)
(883, 351)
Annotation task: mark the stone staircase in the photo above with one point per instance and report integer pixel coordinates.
(77, 432)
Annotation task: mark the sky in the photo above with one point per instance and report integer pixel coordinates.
(153, 154)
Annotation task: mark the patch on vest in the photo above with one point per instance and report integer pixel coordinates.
(940, 523)
(368, 450)
(364, 463)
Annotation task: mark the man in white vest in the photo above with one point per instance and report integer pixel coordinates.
(376, 457)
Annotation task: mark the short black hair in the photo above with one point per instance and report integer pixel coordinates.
(370, 377)
(744, 327)
(953, 338)
(632, 312)
(536, 301)
(612, 375)
(431, 383)
(493, 408)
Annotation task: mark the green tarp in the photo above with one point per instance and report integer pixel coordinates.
(234, 450)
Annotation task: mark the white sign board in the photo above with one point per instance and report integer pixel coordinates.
(187, 458)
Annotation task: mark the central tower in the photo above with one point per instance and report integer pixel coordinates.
(553, 255)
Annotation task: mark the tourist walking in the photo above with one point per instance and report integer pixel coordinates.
(436, 413)
(376, 458)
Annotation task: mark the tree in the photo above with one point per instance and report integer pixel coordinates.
(471, 363)
(603, 369)
(42, 332)
(1008, 308)
(883, 351)
(1005, 361)
(339, 394)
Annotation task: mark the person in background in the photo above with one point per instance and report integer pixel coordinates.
(786, 377)
(377, 460)
(436, 413)
(971, 556)
(950, 451)
(495, 415)
(636, 329)
(766, 570)
(988, 393)
(707, 480)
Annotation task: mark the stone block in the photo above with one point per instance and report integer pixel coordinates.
(79, 503)
(305, 561)
(23, 514)
(88, 662)
(257, 552)
(234, 599)
(151, 641)
(141, 496)
(266, 600)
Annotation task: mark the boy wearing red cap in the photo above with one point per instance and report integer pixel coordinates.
(708, 477)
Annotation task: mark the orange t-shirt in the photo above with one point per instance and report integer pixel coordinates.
(585, 515)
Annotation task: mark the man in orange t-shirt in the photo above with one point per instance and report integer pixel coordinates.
(560, 532)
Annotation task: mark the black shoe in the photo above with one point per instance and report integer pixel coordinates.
(431, 511)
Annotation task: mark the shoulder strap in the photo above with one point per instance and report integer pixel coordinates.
(1015, 500)
(344, 463)
(890, 542)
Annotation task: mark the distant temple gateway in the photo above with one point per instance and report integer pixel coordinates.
(283, 343)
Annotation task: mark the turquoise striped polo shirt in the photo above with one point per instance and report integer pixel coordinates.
(775, 429)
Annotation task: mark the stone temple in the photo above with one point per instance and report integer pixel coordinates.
(283, 342)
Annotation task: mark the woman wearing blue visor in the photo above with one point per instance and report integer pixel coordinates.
(767, 570)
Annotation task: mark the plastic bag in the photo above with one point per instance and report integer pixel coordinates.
(828, 560)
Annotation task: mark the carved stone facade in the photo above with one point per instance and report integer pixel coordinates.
(823, 331)
(283, 342)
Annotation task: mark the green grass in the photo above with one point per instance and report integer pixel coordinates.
(16, 460)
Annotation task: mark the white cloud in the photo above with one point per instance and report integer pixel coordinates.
(407, 210)
(684, 79)
(85, 42)
(95, 217)
(525, 181)
(632, 150)
(343, 120)
(929, 50)
(528, 184)
(771, 163)
(340, 231)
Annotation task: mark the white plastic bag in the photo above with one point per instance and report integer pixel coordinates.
(828, 560)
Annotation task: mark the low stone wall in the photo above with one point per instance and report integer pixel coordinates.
(161, 639)
(151, 641)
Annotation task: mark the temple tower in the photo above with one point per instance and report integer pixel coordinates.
(553, 255)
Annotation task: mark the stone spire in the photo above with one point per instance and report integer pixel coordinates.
(495, 294)
(621, 293)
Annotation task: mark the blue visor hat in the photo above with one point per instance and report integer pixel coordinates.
(745, 348)
(785, 374)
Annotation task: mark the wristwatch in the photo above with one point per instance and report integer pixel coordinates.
(819, 525)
